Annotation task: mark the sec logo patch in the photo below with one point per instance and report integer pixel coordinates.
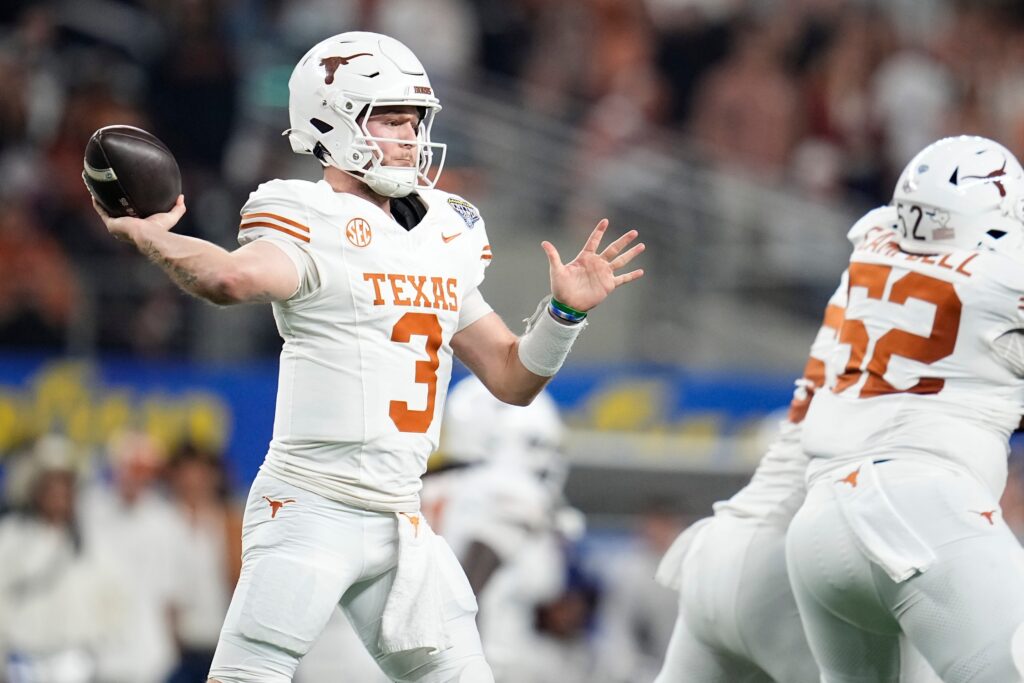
(358, 232)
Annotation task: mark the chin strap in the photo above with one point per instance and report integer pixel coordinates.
(391, 182)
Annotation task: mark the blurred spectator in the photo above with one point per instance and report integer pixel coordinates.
(192, 92)
(839, 105)
(636, 614)
(209, 570)
(141, 534)
(824, 95)
(913, 92)
(692, 37)
(38, 284)
(448, 47)
(747, 111)
(54, 591)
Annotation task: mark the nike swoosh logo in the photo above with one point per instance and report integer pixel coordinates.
(449, 238)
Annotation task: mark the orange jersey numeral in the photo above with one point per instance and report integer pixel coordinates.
(408, 326)
(937, 345)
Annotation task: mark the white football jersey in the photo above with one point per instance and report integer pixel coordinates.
(917, 374)
(367, 351)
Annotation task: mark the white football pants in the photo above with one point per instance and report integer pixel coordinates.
(961, 608)
(303, 555)
(738, 621)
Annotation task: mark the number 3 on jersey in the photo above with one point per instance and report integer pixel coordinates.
(408, 326)
(927, 350)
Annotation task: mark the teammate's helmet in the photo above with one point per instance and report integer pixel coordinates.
(334, 90)
(479, 427)
(958, 192)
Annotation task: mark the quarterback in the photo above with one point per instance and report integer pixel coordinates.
(900, 535)
(374, 278)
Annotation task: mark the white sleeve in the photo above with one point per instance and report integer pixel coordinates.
(473, 308)
(273, 214)
(1010, 348)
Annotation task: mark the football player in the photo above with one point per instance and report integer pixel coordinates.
(374, 277)
(901, 532)
(736, 608)
(498, 502)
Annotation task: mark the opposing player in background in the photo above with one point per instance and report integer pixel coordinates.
(499, 504)
(374, 277)
(901, 531)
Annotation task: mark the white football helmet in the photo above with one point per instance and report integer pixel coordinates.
(958, 193)
(334, 90)
(478, 427)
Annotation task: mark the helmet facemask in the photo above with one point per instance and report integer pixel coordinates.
(360, 154)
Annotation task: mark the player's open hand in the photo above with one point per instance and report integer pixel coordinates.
(127, 228)
(589, 278)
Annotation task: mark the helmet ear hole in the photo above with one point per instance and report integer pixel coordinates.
(321, 126)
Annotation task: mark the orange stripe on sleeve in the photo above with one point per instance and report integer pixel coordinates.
(275, 226)
(287, 221)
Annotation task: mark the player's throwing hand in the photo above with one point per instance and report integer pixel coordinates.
(589, 278)
(126, 228)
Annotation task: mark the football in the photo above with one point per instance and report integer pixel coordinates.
(130, 172)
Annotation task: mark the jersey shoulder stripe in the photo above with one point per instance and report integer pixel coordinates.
(280, 209)
(273, 221)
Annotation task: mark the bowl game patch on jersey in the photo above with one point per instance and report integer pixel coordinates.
(466, 211)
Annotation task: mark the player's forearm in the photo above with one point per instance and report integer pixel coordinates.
(520, 386)
(200, 268)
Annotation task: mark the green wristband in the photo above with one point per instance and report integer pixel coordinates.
(568, 310)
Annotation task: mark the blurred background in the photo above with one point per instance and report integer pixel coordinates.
(741, 137)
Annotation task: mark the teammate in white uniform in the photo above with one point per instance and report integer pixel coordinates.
(736, 609)
(901, 531)
(374, 277)
(500, 507)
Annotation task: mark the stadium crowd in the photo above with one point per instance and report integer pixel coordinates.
(827, 96)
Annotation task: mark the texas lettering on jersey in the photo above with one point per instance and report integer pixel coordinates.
(416, 291)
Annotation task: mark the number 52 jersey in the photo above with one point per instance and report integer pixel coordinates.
(367, 354)
(919, 371)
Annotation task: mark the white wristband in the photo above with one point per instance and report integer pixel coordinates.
(546, 343)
